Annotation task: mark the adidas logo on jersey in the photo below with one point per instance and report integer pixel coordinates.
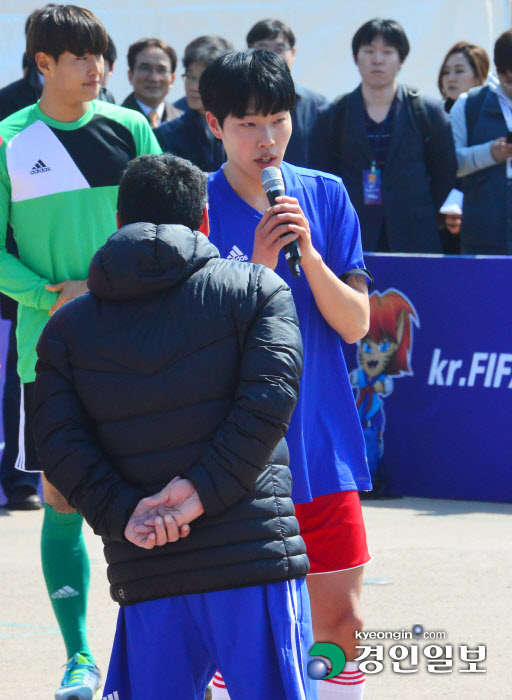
(236, 254)
(66, 592)
(112, 696)
(40, 167)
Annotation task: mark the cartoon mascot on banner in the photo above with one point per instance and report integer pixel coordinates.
(383, 353)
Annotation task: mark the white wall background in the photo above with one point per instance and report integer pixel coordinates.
(324, 29)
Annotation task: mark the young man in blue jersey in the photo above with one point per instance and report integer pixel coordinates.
(248, 97)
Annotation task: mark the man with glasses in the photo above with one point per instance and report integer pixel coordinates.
(189, 136)
(152, 72)
(302, 151)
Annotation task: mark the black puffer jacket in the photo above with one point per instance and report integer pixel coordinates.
(177, 363)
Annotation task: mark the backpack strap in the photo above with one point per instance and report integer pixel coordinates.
(420, 120)
(337, 125)
(473, 108)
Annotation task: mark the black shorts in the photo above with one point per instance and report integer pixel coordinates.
(27, 460)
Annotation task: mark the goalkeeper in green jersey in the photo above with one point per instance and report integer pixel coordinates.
(60, 165)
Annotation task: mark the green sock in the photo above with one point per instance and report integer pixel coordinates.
(67, 574)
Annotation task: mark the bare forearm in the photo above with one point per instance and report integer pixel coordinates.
(345, 307)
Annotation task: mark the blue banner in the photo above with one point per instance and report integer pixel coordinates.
(433, 378)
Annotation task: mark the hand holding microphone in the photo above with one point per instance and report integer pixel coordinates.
(273, 185)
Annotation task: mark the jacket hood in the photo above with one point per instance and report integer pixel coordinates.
(143, 259)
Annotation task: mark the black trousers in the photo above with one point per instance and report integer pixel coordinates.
(10, 477)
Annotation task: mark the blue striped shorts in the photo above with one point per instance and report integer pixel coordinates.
(259, 637)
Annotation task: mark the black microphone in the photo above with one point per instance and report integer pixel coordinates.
(273, 184)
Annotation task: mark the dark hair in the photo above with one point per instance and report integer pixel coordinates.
(241, 80)
(110, 54)
(206, 49)
(477, 58)
(142, 44)
(269, 29)
(162, 189)
(55, 29)
(503, 52)
(31, 15)
(391, 32)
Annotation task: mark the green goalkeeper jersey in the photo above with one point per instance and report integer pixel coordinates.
(58, 190)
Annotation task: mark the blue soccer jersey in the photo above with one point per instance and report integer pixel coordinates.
(327, 451)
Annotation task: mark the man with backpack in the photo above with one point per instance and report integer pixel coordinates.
(392, 147)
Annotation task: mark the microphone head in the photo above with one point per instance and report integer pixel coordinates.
(271, 178)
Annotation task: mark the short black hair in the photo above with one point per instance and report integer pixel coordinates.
(162, 189)
(391, 32)
(256, 79)
(206, 49)
(29, 18)
(151, 43)
(110, 54)
(55, 29)
(503, 52)
(269, 29)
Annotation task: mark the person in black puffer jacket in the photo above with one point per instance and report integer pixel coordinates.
(161, 404)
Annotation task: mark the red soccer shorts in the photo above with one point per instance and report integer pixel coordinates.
(333, 529)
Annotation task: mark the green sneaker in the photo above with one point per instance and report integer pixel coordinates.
(81, 680)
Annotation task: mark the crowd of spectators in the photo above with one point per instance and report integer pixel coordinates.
(399, 153)
(392, 146)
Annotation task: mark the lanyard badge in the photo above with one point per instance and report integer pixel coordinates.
(372, 189)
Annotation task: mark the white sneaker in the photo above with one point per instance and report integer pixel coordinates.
(81, 680)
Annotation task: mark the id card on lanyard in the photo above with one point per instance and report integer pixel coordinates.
(372, 189)
(507, 114)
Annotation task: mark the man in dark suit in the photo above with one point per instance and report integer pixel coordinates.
(109, 59)
(152, 72)
(189, 136)
(392, 147)
(277, 36)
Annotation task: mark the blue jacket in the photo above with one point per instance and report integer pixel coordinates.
(186, 137)
(487, 222)
(177, 363)
(306, 146)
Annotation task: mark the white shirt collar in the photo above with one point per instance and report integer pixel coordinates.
(159, 110)
(494, 84)
(503, 95)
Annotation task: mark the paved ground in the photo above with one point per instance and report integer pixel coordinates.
(445, 565)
